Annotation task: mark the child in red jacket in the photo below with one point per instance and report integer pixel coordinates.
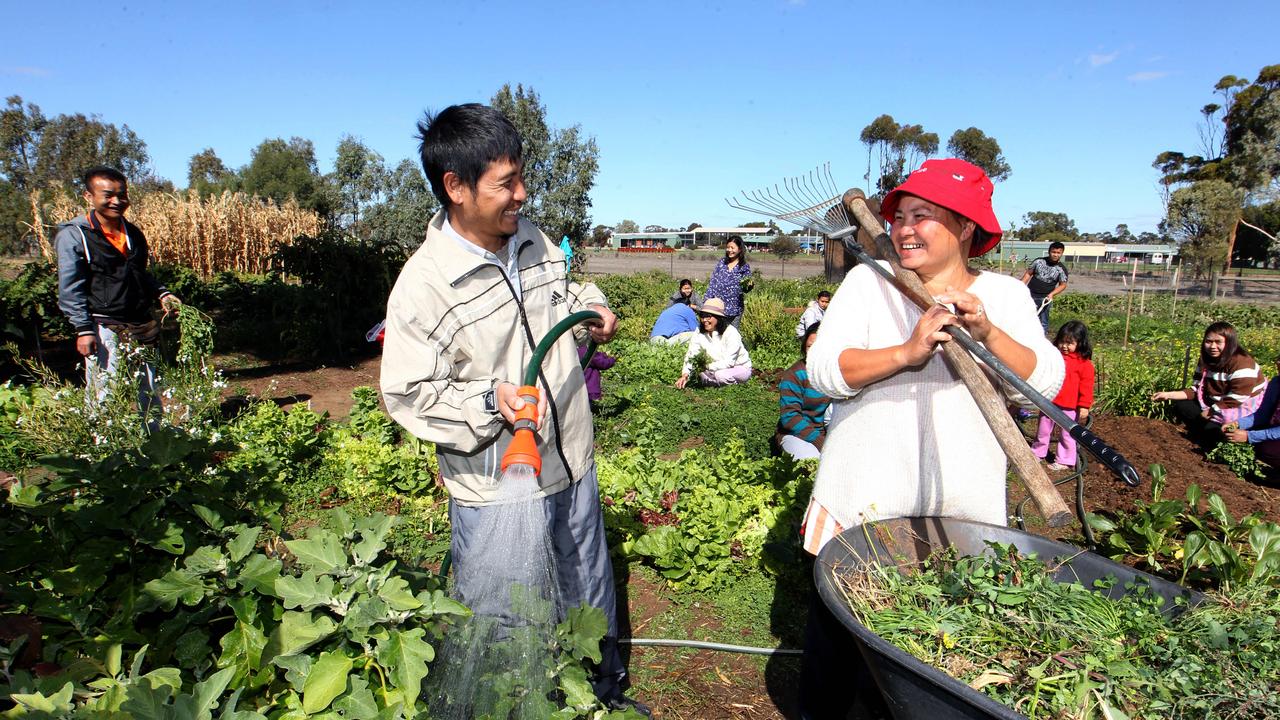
(1076, 396)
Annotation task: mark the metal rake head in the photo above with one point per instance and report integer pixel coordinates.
(810, 201)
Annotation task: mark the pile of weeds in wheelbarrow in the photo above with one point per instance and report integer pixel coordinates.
(1002, 625)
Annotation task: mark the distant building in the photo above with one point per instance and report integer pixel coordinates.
(756, 239)
(1020, 251)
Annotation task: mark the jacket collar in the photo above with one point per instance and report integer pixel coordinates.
(457, 263)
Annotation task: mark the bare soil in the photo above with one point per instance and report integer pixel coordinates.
(325, 389)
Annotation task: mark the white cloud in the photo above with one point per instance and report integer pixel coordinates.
(1147, 76)
(1097, 60)
(24, 70)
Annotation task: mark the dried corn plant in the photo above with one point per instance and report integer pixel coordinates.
(48, 208)
(231, 231)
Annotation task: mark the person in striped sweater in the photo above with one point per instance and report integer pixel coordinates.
(1228, 386)
(802, 426)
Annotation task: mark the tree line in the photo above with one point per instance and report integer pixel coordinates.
(1223, 200)
(363, 196)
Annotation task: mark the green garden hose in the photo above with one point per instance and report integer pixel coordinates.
(548, 340)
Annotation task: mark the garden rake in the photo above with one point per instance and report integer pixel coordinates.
(814, 201)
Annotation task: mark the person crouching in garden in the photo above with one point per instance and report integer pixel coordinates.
(727, 358)
(802, 424)
(906, 438)
(1228, 385)
(813, 313)
(685, 294)
(1262, 428)
(104, 287)
(676, 324)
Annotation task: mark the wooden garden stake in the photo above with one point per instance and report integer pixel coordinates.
(1128, 310)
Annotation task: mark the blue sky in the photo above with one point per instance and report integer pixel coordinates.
(689, 102)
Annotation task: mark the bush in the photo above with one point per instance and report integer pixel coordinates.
(323, 294)
(669, 420)
(1126, 380)
(29, 305)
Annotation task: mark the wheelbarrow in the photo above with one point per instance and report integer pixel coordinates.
(914, 690)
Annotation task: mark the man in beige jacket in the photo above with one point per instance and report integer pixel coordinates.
(465, 314)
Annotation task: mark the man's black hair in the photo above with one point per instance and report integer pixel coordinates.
(1055, 245)
(464, 140)
(102, 171)
(824, 294)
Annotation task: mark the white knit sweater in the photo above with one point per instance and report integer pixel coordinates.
(915, 443)
(724, 349)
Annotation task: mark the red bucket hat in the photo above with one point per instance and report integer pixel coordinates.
(956, 185)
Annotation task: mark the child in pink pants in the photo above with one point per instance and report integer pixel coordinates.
(1076, 396)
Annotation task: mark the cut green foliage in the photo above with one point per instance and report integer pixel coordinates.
(1000, 624)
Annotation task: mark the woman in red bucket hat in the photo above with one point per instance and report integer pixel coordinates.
(906, 438)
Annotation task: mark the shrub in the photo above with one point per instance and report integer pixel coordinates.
(1126, 379)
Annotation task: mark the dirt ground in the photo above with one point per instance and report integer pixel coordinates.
(324, 389)
(686, 684)
(1145, 442)
(1083, 277)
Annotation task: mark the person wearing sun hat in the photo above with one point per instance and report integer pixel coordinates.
(906, 438)
(727, 359)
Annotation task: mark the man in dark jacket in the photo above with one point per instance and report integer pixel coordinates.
(104, 288)
(1046, 278)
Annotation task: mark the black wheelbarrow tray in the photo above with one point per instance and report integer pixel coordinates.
(913, 689)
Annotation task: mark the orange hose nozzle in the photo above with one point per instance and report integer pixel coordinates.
(523, 449)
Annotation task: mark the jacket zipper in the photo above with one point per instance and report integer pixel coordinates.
(551, 402)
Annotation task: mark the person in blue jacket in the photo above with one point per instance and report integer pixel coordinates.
(676, 324)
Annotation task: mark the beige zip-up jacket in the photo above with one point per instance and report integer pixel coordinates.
(455, 329)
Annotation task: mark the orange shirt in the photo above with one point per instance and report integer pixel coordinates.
(120, 240)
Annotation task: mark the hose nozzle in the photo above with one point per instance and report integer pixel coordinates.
(523, 449)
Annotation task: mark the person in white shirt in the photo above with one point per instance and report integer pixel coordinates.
(813, 313)
(728, 360)
(906, 438)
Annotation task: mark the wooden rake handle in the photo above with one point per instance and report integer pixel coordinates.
(990, 401)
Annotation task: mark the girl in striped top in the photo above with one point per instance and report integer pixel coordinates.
(1229, 385)
(802, 426)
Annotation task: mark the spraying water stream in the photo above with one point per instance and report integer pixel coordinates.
(498, 663)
